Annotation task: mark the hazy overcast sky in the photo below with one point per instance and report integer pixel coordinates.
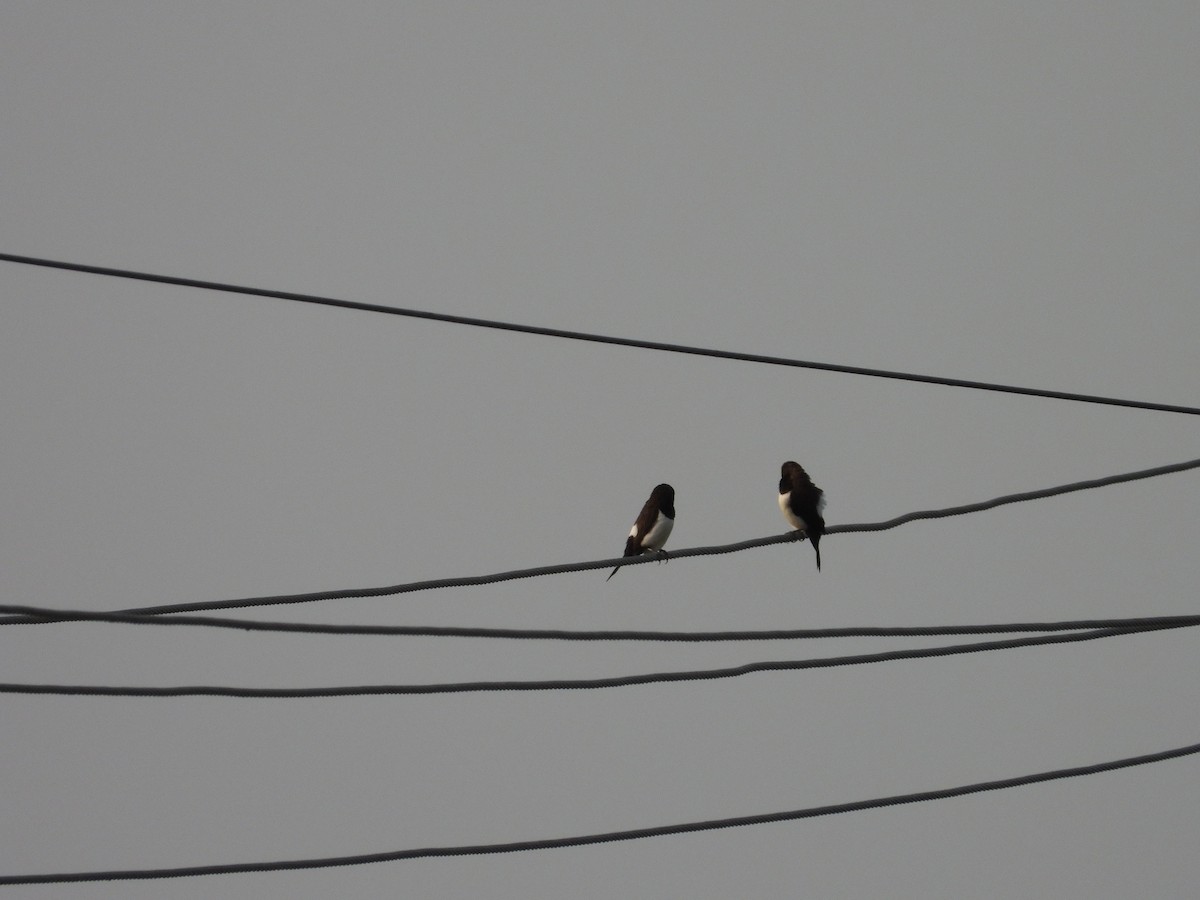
(1000, 192)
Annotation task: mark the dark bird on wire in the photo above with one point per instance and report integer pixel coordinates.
(801, 503)
(653, 525)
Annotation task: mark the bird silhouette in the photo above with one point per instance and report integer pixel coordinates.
(653, 525)
(801, 503)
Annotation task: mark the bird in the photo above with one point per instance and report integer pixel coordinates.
(801, 503)
(653, 525)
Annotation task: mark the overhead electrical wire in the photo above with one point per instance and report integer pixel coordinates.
(472, 580)
(593, 338)
(1108, 628)
(1112, 627)
(571, 683)
(556, 634)
(608, 837)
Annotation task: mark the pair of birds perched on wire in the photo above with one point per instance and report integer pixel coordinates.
(800, 501)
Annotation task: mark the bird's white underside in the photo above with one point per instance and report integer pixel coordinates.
(657, 535)
(792, 519)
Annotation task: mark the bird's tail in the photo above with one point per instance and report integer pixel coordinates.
(816, 542)
(614, 572)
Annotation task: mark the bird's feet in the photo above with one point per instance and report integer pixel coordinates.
(664, 556)
(800, 534)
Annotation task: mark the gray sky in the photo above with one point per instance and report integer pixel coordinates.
(1003, 192)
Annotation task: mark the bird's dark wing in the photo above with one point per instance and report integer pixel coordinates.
(645, 521)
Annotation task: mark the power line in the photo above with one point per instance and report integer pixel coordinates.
(1040, 494)
(554, 634)
(609, 837)
(474, 580)
(566, 683)
(594, 338)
